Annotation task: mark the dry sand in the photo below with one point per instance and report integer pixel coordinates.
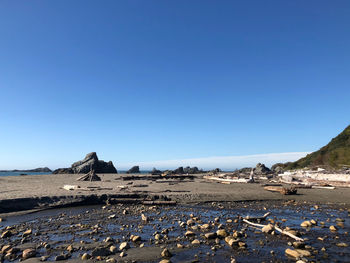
(199, 190)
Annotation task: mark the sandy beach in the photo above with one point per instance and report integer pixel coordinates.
(183, 191)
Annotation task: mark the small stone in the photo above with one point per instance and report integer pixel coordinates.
(190, 222)
(6, 234)
(165, 261)
(144, 218)
(111, 260)
(205, 226)
(70, 248)
(27, 232)
(313, 221)
(166, 253)
(221, 233)
(342, 244)
(28, 253)
(292, 253)
(85, 256)
(5, 248)
(297, 244)
(210, 235)
(113, 249)
(180, 246)
(135, 238)
(306, 224)
(303, 252)
(62, 257)
(123, 254)
(124, 245)
(242, 244)
(189, 234)
(332, 228)
(267, 229)
(195, 242)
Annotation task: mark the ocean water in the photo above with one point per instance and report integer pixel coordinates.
(19, 173)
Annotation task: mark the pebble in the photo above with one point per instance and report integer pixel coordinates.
(85, 256)
(27, 232)
(28, 253)
(306, 224)
(195, 242)
(124, 245)
(113, 249)
(292, 253)
(267, 229)
(165, 261)
(221, 233)
(166, 253)
(6, 234)
(111, 260)
(189, 234)
(342, 244)
(332, 228)
(210, 235)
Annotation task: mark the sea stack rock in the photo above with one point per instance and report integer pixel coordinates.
(261, 169)
(134, 170)
(90, 162)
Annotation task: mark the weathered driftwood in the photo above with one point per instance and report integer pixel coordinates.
(156, 177)
(258, 217)
(227, 180)
(282, 190)
(90, 176)
(283, 232)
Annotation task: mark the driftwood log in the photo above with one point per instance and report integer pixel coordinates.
(282, 190)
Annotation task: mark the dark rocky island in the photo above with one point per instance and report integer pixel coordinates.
(36, 170)
(134, 170)
(90, 162)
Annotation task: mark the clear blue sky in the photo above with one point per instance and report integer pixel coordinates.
(160, 80)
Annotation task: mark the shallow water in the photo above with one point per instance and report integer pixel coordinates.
(90, 225)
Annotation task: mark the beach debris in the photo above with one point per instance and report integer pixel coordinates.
(284, 232)
(69, 187)
(282, 190)
(90, 176)
(165, 261)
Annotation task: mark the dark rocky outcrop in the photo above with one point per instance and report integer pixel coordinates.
(179, 170)
(63, 171)
(134, 170)
(156, 171)
(261, 169)
(36, 170)
(191, 170)
(90, 162)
